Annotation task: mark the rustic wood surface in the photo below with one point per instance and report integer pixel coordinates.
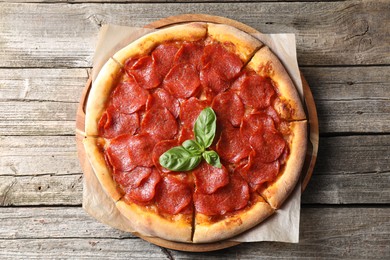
(46, 53)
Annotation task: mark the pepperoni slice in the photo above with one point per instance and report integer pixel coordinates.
(255, 123)
(130, 62)
(144, 72)
(212, 80)
(256, 172)
(186, 133)
(227, 64)
(190, 110)
(190, 53)
(270, 111)
(223, 201)
(209, 178)
(132, 178)
(255, 91)
(126, 152)
(163, 99)
(113, 123)
(228, 107)
(159, 149)
(231, 147)
(117, 153)
(128, 97)
(183, 81)
(268, 145)
(145, 191)
(159, 123)
(173, 195)
(163, 57)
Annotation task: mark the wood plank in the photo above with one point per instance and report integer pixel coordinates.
(354, 116)
(53, 222)
(144, 1)
(346, 233)
(37, 111)
(344, 165)
(349, 164)
(41, 190)
(92, 248)
(348, 83)
(41, 35)
(351, 99)
(53, 85)
(27, 155)
(41, 128)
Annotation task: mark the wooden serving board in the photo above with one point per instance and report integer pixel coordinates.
(310, 107)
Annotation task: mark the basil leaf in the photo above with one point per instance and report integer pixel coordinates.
(205, 126)
(193, 147)
(212, 158)
(179, 159)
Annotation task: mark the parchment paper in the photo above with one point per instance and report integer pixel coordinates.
(282, 226)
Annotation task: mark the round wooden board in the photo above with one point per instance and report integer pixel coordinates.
(310, 107)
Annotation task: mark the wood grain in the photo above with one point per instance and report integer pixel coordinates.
(41, 190)
(53, 85)
(142, 1)
(50, 155)
(325, 233)
(344, 165)
(53, 222)
(346, 168)
(328, 33)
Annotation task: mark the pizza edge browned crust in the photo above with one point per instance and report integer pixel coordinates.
(145, 44)
(99, 95)
(267, 64)
(148, 222)
(206, 231)
(98, 163)
(246, 45)
(279, 190)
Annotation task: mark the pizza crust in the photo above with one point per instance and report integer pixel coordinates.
(98, 163)
(278, 191)
(266, 64)
(207, 232)
(148, 222)
(245, 44)
(99, 95)
(144, 45)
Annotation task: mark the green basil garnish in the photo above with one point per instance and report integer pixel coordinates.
(179, 159)
(205, 127)
(193, 147)
(187, 156)
(212, 158)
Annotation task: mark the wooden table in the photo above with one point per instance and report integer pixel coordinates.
(46, 54)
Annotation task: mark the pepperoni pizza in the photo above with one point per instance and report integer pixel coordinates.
(146, 101)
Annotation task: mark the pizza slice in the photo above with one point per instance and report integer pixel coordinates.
(100, 94)
(277, 191)
(288, 103)
(169, 215)
(230, 211)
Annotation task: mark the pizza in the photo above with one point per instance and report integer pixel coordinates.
(196, 131)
